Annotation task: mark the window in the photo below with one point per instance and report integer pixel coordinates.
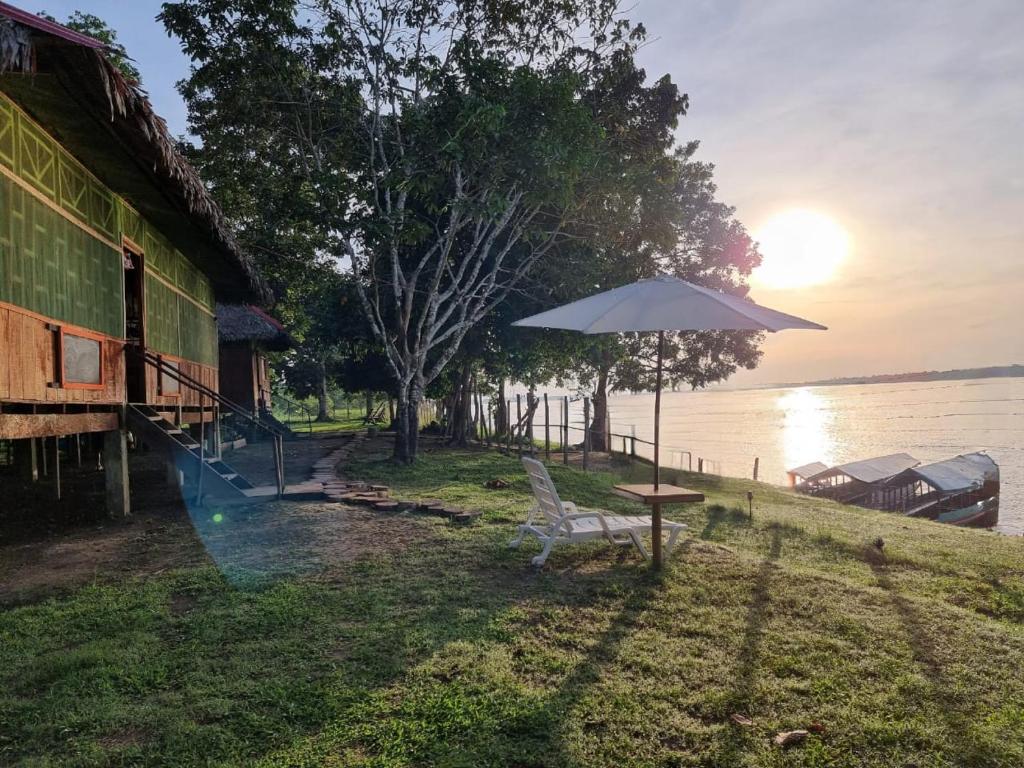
(169, 384)
(81, 357)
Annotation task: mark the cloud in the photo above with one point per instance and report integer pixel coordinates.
(902, 120)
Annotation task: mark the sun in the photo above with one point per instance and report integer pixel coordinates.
(800, 248)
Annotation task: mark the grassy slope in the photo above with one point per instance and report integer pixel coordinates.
(458, 654)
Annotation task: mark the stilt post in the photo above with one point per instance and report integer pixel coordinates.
(115, 468)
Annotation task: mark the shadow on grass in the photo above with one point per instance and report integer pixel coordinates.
(719, 515)
(959, 725)
(734, 741)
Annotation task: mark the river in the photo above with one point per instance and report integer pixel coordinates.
(788, 427)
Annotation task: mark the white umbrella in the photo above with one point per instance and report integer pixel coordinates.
(663, 303)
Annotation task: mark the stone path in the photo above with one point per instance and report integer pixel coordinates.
(378, 497)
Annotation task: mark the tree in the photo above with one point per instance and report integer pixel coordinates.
(441, 148)
(706, 245)
(330, 329)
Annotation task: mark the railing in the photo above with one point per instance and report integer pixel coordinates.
(162, 368)
(523, 418)
(292, 404)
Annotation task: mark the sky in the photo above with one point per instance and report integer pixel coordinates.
(900, 120)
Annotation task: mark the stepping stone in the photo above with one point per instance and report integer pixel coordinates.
(386, 506)
(465, 517)
(428, 505)
(359, 498)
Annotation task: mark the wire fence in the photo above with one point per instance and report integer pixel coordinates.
(563, 425)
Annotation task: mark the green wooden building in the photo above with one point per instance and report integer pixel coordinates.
(112, 254)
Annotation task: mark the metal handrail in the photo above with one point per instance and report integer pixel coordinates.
(300, 406)
(183, 378)
(155, 361)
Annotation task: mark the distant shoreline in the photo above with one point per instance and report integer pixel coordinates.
(958, 374)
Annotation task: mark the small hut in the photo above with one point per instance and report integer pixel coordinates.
(246, 334)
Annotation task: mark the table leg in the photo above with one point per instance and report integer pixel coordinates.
(656, 535)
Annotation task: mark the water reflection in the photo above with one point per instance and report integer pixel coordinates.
(806, 428)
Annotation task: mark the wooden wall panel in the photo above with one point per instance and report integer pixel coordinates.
(21, 425)
(205, 374)
(28, 367)
(237, 374)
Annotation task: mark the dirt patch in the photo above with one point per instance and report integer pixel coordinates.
(308, 537)
(163, 534)
(181, 603)
(283, 538)
(142, 545)
(123, 738)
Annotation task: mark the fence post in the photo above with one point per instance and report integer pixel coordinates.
(508, 426)
(531, 409)
(565, 430)
(487, 418)
(632, 441)
(202, 450)
(547, 429)
(216, 432)
(757, 460)
(607, 427)
(519, 425)
(700, 465)
(586, 433)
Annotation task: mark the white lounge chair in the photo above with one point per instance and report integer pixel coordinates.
(554, 521)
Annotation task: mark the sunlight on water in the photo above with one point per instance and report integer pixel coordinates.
(806, 428)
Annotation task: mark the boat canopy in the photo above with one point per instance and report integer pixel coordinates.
(871, 470)
(961, 473)
(808, 470)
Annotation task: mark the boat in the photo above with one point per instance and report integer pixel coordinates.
(963, 490)
(852, 482)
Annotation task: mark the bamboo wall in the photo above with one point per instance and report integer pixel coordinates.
(61, 235)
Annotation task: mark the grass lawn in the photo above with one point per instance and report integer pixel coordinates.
(454, 652)
(302, 426)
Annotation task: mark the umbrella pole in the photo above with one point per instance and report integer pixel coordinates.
(656, 508)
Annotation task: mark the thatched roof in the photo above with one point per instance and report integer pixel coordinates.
(65, 81)
(244, 322)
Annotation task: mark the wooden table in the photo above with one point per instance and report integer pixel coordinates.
(654, 498)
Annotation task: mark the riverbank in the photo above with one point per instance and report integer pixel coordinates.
(435, 644)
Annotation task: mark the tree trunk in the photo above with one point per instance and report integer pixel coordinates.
(407, 423)
(461, 407)
(323, 412)
(599, 424)
(500, 417)
(369, 405)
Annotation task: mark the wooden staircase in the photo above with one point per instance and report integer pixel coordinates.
(218, 478)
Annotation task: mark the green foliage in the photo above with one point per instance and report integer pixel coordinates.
(94, 26)
(440, 149)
